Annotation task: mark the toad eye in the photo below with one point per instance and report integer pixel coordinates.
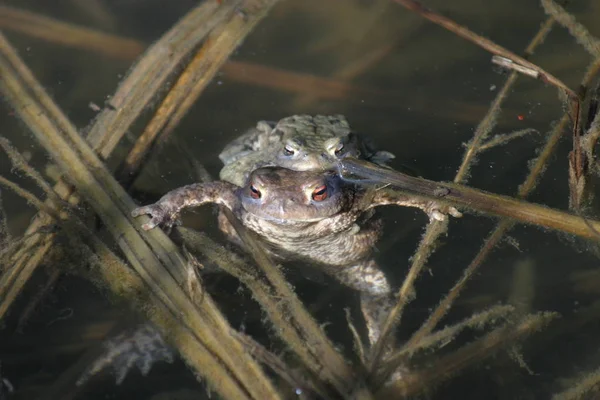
(320, 193)
(254, 192)
(288, 151)
(338, 149)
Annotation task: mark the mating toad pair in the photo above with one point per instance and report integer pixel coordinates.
(280, 181)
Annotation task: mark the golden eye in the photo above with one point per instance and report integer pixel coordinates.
(254, 192)
(320, 193)
(339, 149)
(288, 151)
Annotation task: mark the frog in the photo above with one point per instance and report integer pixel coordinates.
(298, 142)
(311, 216)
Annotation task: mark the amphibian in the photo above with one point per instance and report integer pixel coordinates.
(298, 142)
(313, 216)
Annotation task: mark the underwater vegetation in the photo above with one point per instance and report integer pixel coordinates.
(255, 329)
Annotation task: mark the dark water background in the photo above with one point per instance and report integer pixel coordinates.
(426, 94)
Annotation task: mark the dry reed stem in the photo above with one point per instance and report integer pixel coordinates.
(30, 198)
(443, 367)
(33, 303)
(537, 168)
(179, 39)
(589, 141)
(406, 293)
(133, 94)
(302, 387)
(55, 31)
(499, 140)
(583, 316)
(206, 63)
(113, 205)
(209, 59)
(436, 229)
(586, 388)
(491, 241)
(588, 41)
(484, 43)
(33, 247)
(474, 200)
(254, 74)
(5, 236)
(15, 278)
(576, 158)
(152, 71)
(299, 332)
(578, 163)
(359, 348)
(476, 321)
(111, 272)
(11, 281)
(336, 371)
(18, 162)
(70, 35)
(503, 227)
(8, 249)
(310, 334)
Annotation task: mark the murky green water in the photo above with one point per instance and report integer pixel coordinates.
(417, 90)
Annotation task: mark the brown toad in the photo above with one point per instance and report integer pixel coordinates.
(298, 142)
(313, 216)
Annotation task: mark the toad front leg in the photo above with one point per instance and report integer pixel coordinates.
(166, 210)
(434, 209)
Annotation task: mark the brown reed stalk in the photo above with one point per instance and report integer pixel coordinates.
(474, 200)
(484, 43)
(502, 56)
(132, 97)
(496, 236)
(296, 327)
(586, 388)
(208, 60)
(310, 339)
(478, 320)
(160, 266)
(178, 274)
(581, 34)
(503, 227)
(499, 140)
(71, 35)
(435, 229)
(439, 368)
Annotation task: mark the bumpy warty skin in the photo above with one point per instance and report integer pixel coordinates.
(336, 242)
(305, 130)
(298, 142)
(339, 233)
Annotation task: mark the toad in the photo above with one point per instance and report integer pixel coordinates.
(312, 216)
(298, 142)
